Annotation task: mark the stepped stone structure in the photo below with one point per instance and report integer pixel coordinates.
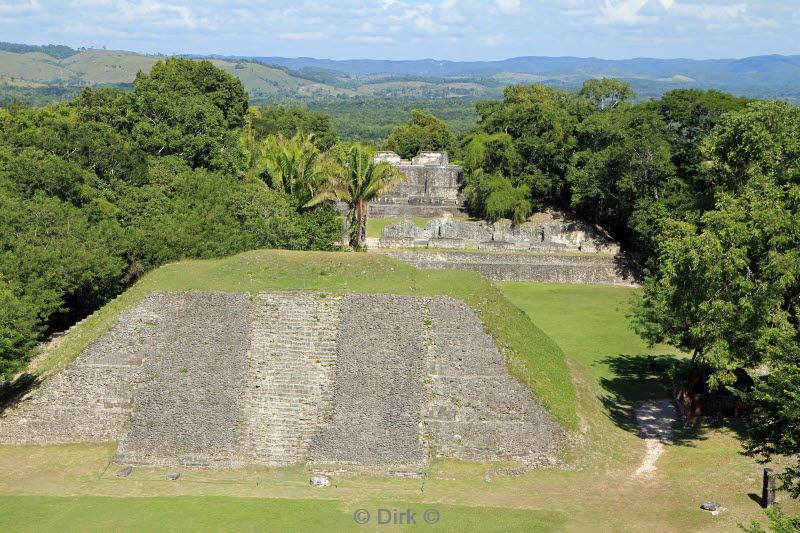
(550, 232)
(433, 187)
(228, 379)
(292, 367)
(186, 410)
(539, 267)
(378, 384)
(550, 247)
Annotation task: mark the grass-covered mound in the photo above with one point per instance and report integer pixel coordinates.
(532, 356)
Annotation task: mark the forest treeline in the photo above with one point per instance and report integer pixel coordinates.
(96, 191)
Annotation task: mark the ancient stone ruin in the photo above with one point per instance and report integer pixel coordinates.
(433, 187)
(549, 247)
(226, 379)
(550, 231)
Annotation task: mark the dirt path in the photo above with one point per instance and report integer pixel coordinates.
(655, 419)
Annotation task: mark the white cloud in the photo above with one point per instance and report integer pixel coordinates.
(19, 8)
(303, 36)
(425, 24)
(456, 29)
(712, 11)
(622, 12)
(370, 39)
(507, 7)
(84, 29)
(495, 40)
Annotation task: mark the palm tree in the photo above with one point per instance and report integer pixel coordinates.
(356, 180)
(294, 166)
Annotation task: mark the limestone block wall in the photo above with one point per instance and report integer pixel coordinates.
(187, 410)
(546, 268)
(226, 379)
(475, 411)
(547, 232)
(433, 186)
(375, 418)
(91, 400)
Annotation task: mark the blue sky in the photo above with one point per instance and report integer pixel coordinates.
(411, 29)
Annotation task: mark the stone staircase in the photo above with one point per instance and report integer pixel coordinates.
(292, 363)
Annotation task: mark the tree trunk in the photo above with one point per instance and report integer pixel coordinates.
(353, 229)
(362, 233)
(358, 228)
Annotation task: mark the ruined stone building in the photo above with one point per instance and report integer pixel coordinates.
(433, 187)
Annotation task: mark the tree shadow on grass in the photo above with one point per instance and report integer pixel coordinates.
(12, 392)
(637, 378)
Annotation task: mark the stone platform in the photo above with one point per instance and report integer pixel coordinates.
(213, 379)
(522, 266)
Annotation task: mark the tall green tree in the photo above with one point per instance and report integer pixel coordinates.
(606, 93)
(726, 288)
(272, 120)
(190, 109)
(623, 167)
(424, 132)
(358, 180)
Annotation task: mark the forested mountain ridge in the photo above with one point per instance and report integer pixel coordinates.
(37, 68)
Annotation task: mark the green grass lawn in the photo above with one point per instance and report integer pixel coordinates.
(584, 363)
(375, 225)
(215, 513)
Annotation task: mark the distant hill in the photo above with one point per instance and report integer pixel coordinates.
(754, 76)
(32, 69)
(107, 67)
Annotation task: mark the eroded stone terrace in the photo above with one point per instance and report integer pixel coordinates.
(226, 379)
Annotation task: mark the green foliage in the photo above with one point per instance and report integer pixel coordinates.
(690, 116)
(372, 119)
(779, 522)
(294, 166)
(620, 165)
(776, 409)
(58, 51)
(726, 290)
(491, 152)
(424, 132)
(606, 93)
(727, 287)
(88, 202)
(190, 108)
(623, 166)
(762, 139)
(289, 122)
(18, 328)
(493, 196)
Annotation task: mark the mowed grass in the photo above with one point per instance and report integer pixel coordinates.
(591, 324)
(375, 225)
(209, 513)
